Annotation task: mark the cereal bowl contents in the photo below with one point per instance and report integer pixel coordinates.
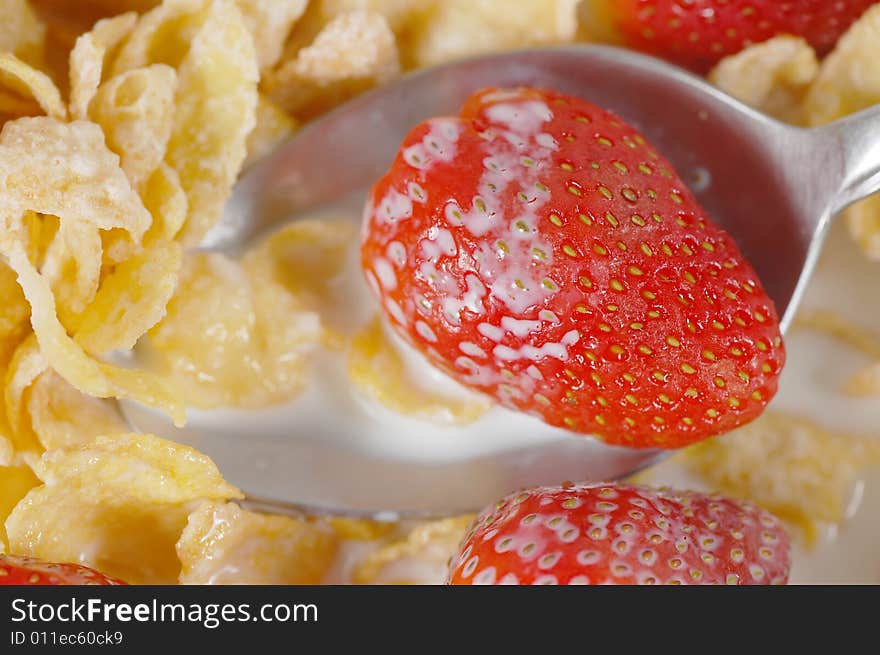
(125, 126)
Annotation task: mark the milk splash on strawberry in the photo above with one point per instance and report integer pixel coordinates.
(539, 250)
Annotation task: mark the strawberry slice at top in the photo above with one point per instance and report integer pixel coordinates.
(698, 33)
(538, 249)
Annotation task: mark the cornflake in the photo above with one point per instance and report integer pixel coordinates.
(772, 76)
(352, 53)
(421, 557)
(21, 79)
(118, 504)
(790, 466)
(88, 59)
(849, 81)
(378, 371)
(223, 544)
(458, 28)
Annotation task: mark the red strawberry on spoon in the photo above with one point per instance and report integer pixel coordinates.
(698, 33)
(621, 534)
(31, 571)
(539, 250)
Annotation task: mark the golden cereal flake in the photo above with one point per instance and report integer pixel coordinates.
(130, 300)
(136, 111)
(27, 82)
(378, 371)
(87, 59)
(421, 557)
(865, 382)
(89, 375)
(72, 266)
(14, 309)
(215, 102)
(459, 28)
(596, 22)
(224, 544)
(66, 170)
(215, 110)
(772, 76)
(352, 53)
(790, 466)
(15, 482)
(849, 81)
(404, 17)
(62, 417)
(307, 259)
(25, 366)
(849, 77)
(165, 199)
(118, 504)
(274, 126)
(269, 22)
(360, 529)
(863, 221)
(22, 32)
(229, 340)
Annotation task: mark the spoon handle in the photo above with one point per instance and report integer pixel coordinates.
(858, 140)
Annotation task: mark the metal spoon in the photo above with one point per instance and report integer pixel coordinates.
(772, 186)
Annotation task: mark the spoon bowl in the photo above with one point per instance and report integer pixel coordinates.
(773, 187)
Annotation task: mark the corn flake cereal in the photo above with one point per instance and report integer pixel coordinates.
(14, 309)
(849, 78)
(136, 110)
(22, 32)
(274, 126)
(118, 504)
(360, 529)
(787, 465)
(224, 342)
(224, 544)
(849, 81)
(214, 112)
(62, 417)
(20, 78)
(421, 557)
(71, 362)
(352, 53)
(72, 266)
(378, 371)
(306, 259)
(15, 482)
(458, 28)
(865, 382)
(772, 76)
(131, 300)
(89, 186)
(88, 59)
(269, 22)
(25, 367)
(863, 221)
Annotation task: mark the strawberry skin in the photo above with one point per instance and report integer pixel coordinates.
(539, 250)
(698, 33)
(30, 571)
(621, 535)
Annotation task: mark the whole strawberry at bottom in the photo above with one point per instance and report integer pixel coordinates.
(538, 249)
(621, 534)
(699, 33)
(18, 570)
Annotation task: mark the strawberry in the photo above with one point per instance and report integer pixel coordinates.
(621, 534)
(539, 250)
(698, 33)
(30, 571)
